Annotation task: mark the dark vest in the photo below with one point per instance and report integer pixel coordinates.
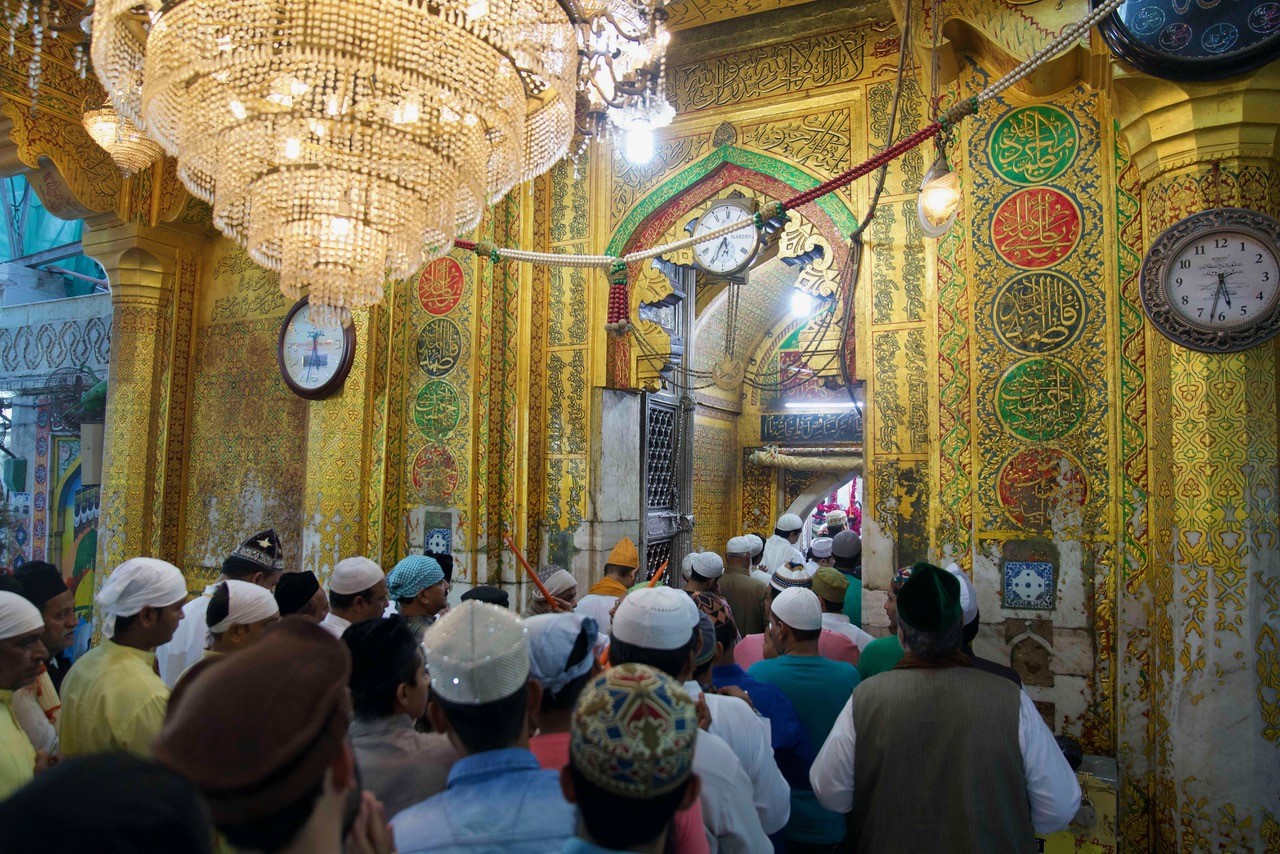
(937, 766)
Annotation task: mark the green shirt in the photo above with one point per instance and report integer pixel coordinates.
(853, 600)
(881, 655)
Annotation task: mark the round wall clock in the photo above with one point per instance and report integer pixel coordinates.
(732, 252)
(1194, 39)
(314, 357)
(1211, 281)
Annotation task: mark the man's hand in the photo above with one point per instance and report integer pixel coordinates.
(45, 761)
(704, 714)
(371, 834)
(735, 691)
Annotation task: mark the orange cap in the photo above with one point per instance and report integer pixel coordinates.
(624, 554)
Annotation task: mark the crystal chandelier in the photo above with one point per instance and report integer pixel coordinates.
(344, 141)
(131, 149)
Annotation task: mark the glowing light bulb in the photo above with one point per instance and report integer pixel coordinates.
(637, 145)
(293, 148)
(237, 110)
(939, 198)
(801, 304)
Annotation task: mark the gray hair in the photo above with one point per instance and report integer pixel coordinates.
(933, 646)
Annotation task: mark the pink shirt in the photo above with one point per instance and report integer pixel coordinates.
(832, 645)
(552, 750)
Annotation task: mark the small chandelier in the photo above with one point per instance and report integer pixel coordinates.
(939, 199)
(344, 141)
(131, 149)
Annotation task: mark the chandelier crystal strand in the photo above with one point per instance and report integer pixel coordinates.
(343, 142)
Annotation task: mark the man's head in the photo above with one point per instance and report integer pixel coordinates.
(258, 560)
(656, 626)
(757, 548)
(705, 570)
(623, 562)
(891, 601)
(300, 593)
(559, 582)
(419, 587)
(796, 620)
(846, 550)
(488, 593)
(830, 585)
(737, 552)
(388, 670)
(481, 694)
(837, 521)
(929, 613)
(562, 657)
(722, 624)
(820, 552)
(627, 776)
(42, 585)
(21, 651)
(968, 603)
(141, 603)
(789, 527)
(358, 590)
(238, 613)
(791, 575)
(263, 734)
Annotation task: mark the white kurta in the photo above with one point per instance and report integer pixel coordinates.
(732, 824)
(778, 551)
(187, 646)
(335, 625)
(840, 624)
(597, 606)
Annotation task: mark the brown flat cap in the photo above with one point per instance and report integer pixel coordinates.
(256, 730)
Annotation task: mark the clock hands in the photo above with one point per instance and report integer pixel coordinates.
(1217, 292)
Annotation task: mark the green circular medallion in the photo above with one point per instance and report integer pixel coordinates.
(437, 409)
(1040, 399)
(1031, 145)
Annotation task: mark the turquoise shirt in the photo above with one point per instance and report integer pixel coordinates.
(818, 688)
(881, 655)
(853, 600)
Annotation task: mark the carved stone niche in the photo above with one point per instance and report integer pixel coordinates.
(1031, 650)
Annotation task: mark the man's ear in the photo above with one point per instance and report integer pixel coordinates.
(692, 790)
(534, 701)
(719, 649)
(439, 720)
(257, 578)
(566, 785)
(148, 617)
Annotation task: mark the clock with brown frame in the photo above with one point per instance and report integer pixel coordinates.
(314, 352)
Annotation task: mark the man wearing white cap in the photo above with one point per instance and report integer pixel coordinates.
(969, 617)
(757, 551)
(498, 798)
(832, 645)
(745, 594)
(781, 547)
(21, 658)
(837, 521)
(658, 626)
(357, 592)
(238, 613)
(820, 552)
(112, 698)
(818, 688)
(703, 574)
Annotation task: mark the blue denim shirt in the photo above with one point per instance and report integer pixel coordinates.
(499, 801)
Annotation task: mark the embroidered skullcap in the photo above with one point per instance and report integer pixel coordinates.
(138, 583)
(411, 576)
(821, 547)
(837, 518)
(789, 522)
(968, 594)
(247, 603)
(798, 608)
(624, 554)
(486, 593)
(930, 600)
(18, 616)
(262, 551)
(757, 544)
(846, 544)
(706, 640)
(556, 579)
(257, 730)
(477, 653)
(830, 584)
(39, 582)
(561, 648)
(740, 546)
(790, 576)
(295, 590)
(354, 575)
(708, 564)
(655, 618)
(633, 732)
(901, 576)
(714, 606)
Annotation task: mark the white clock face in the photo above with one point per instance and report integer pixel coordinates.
(312, 352)
(1223, 279)
(729, 252)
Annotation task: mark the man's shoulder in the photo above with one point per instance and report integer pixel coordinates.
(712, 756)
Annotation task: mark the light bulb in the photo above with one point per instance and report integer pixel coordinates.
(801, 304)
(637, 145)
(939, 198)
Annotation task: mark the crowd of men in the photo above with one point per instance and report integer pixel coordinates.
(745, 709)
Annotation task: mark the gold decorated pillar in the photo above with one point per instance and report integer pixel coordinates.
(1200, 648)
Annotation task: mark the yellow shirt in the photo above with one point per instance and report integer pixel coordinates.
(17, 756)
(112, 700)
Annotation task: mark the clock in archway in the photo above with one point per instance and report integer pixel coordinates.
(1194, 39)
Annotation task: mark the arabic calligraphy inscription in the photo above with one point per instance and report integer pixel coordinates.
(1040, 399)
(1036, 227)
(437, 409)
(1035, 483)
(440, 286)
(1032, 145)
(435, 474)
(1038, 312)
(811, 428)
(439, 346)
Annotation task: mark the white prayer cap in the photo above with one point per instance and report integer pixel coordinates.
(556, 580)
(743, 545)
(708, 565)
(355, 575)
(561, 648)
(758, 544)
(248, 603)
(786, 577)
(789, 522)
(821, 547)
(968, 595)
(477, 653)
(17, 616)
(798, 608)
(139, 582)
(686, 565)
(837, 517)
(656, 618)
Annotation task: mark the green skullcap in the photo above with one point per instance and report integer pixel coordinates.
(929, 601)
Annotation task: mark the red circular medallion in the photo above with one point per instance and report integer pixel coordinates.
(1036, 227)
(435, 474)
(1037, 483)
(440, 286)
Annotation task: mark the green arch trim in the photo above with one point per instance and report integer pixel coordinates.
(780, 170)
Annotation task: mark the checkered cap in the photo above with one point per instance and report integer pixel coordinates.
(477, 653)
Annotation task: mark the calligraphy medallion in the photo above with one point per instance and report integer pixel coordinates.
(1039, 483)
(440, 286)
(437, 409)
(1036, 227)
(1038, 312)
(439, 346)
(435, 474)
(1032, 145)
(1040, 399)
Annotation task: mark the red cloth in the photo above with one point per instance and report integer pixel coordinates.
(552, 750)
(832, 645)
